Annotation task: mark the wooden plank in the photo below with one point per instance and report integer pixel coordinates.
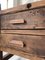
(22, 54)
(22, 27)
(23, 7)
(26, 32)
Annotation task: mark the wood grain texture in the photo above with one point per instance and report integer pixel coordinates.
(21, 53)
(34, 19)
(23, 7)
(25, 32)
(33, 44)
(17, 43)
(28, 39)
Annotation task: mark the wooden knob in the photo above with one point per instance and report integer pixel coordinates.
(28, 5)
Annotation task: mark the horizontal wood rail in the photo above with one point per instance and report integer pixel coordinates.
(24, 32)
(23, 7)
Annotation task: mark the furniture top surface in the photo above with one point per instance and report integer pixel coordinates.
(23, 7)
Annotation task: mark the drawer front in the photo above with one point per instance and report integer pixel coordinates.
(28, 43)
(30, 19)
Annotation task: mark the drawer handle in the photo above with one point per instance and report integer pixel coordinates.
(29, 5)
(17, 21)
(17, 43)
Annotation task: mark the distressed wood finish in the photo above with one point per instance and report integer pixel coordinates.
(32, 44)
(23, 30)
(23, 7)
(21, 53)
(33, 19)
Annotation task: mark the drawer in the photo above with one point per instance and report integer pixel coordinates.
(31, 44)
(27, 19)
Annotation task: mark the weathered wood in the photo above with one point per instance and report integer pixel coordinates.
(24, 32)
(26, 39)
(21, 53)
(34, 19)
(32, 44)
(23, 7)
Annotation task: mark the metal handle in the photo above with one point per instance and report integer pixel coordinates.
(17, 43)
(17, 21)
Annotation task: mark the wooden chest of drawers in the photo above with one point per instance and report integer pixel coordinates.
(23, 29)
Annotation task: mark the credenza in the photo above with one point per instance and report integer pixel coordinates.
(22, 30)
